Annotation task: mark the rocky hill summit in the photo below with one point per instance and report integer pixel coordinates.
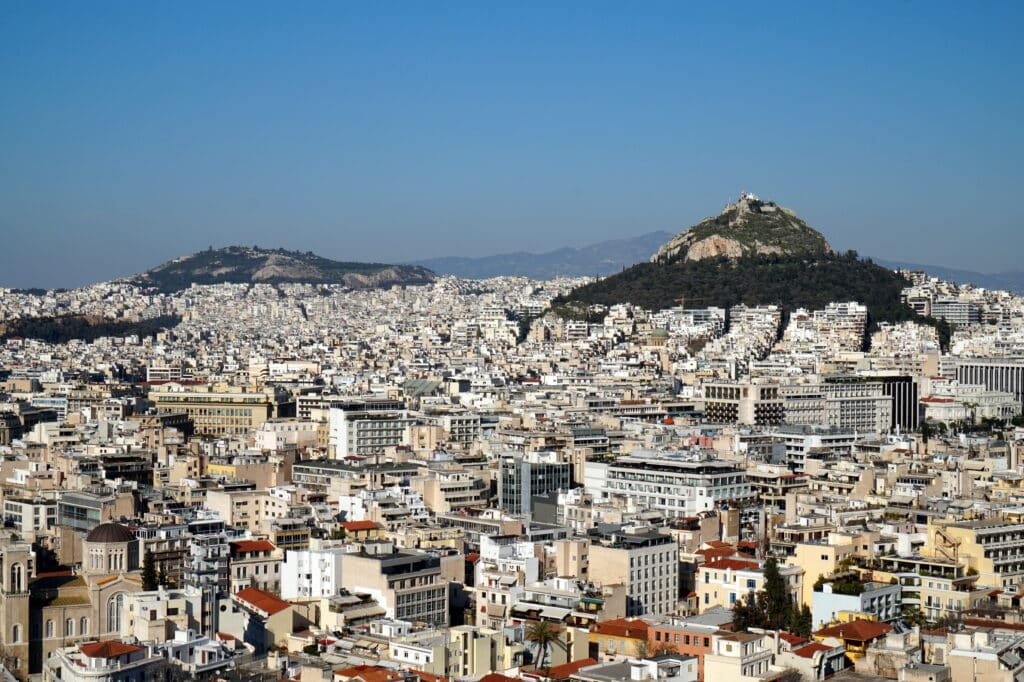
(252, 265)
(749, 227)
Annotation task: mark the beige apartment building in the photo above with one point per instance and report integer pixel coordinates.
(253, 510)
(408, 584)
(217, 410)
(648, 564)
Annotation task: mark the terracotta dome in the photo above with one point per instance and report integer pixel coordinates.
(110, 533)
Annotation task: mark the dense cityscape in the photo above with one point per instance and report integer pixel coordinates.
(575, 341)
(452, 481)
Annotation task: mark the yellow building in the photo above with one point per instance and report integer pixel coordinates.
(818, 560)
(724, 582)
(621, 636)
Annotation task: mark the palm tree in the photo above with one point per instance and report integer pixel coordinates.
(543, 634)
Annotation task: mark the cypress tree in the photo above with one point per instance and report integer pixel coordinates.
(149, 577)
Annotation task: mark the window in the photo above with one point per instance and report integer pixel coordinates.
(16, 633)
(83, 626)
(49, 629)
(114, 606)
(17, 578)
(69, 627)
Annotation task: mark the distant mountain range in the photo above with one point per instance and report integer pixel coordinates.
(1008, 281)
(601, 259)
(244, 265)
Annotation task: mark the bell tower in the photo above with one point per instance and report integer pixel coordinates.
(17, 568)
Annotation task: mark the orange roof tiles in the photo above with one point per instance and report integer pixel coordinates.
(368, 673)
(563, 671)
(811, 649)
(246, 546)
(716, 553)
(732, 565)
(622, 627)
(111, 649)
(793, 640)
(264, 601)
(359, 525)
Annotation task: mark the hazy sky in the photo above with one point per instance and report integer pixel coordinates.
(133, 133)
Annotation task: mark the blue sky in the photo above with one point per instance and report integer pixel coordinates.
(131, 133)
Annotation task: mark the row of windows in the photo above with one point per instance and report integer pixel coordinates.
(51, 629)
(674, 638)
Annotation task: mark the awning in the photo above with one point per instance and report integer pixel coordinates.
(554, 612)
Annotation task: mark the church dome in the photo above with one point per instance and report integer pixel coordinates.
(110, 533)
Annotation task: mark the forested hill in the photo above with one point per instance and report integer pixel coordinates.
(83, 327)
(787, 281)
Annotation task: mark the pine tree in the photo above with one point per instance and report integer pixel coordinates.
(149, 577)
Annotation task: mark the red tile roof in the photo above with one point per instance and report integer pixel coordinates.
(622, 627)
(811, 649)
(716, 553)
(564, 671)
(264, 601)
(732, 565)
(359, 525)
(794, 640)
(857, 630)
(354, 670)
(111, 649)
(368, 673)
(246, 546)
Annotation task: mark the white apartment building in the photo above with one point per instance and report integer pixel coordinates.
(311, 573)
(673, 484)
(365, 433)
(286, 434)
